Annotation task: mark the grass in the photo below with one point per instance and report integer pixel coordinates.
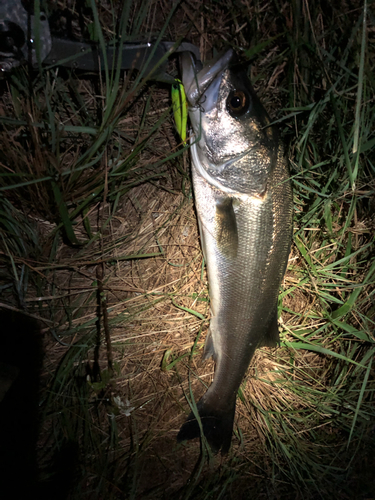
(99, 241)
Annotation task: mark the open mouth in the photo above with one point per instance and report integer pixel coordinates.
(197, 81)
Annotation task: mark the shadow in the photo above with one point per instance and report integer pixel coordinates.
(21, 356)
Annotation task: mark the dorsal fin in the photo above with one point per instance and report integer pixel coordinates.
(272, 338)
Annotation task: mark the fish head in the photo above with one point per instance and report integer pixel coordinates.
(233, 147)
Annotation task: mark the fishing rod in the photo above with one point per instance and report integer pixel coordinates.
(25, 36)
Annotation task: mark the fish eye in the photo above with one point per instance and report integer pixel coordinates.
(238, 103)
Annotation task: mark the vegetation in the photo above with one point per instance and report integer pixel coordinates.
(99, 242)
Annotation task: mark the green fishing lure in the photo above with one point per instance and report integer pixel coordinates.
(179, 106)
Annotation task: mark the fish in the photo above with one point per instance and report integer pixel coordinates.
(243, 201)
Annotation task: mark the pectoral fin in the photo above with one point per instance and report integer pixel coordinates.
(226, 228)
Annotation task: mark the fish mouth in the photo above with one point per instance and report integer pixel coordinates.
(197, 80)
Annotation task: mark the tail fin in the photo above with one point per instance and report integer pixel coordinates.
(217, 426)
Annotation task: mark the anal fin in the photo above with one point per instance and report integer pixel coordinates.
(209, 348)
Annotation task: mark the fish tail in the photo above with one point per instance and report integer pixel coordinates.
(217, 425)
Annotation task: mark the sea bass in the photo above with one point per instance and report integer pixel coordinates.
(243, 199)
